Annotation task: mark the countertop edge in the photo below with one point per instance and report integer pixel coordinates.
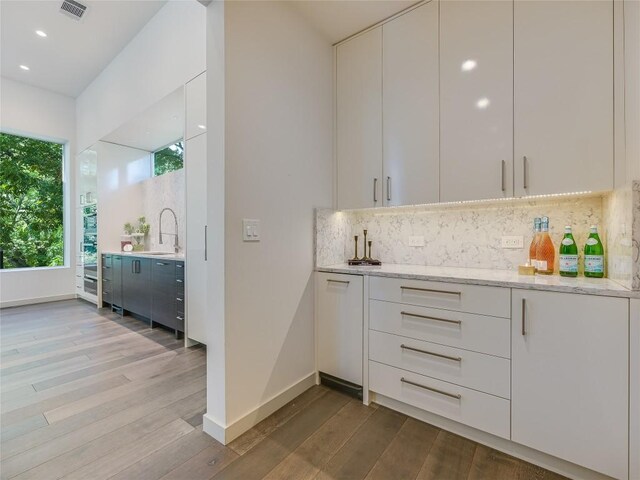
(603, 292)
(168, 256)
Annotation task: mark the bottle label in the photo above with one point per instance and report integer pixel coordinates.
(541, 265)
(567, 241)
(592, 241)
(594, 263)
(569, 263)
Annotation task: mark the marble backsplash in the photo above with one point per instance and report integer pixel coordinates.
(455, 235)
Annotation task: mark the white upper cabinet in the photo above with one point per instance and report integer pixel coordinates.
(359, 121)
(476, 100)
(570, 378)
(563, 81)
(196, 106)
(410, 107)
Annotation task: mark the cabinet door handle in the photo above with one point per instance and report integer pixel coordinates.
(431, 290)
(525, 172)
(180, 318)
(178, 299)
(205, 243)
(133, 266)
(431, 389)
(426, 352)
(375, 190)
(426, 317)
(179, 265)
(388, 189)
(524, 316)
(162, 264)
(330, 280)
(504, 167)
(179, 280)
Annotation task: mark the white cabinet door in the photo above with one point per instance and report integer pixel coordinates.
(563, 96)
(410, 107)
(570, 367)
(359, 121)
(196, 106)
(476, 101)
(339, 324)
(196, 210)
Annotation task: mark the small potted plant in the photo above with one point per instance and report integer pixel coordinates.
(138, 233)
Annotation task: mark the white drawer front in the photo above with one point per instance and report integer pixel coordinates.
(490, 335)
(485, 373)
(479, 410)
(494, 301)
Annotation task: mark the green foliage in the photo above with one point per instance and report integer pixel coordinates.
(168, 159)
(31, 202)
(128, 228)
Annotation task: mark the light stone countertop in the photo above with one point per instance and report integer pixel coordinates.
(498, 278)
(165, 256)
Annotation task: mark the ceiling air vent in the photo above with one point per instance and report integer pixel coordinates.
(72, 8)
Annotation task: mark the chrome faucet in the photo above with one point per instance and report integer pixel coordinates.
(175, 218)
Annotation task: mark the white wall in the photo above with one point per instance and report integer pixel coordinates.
(121, 173)
(160, 192)
(35, 112)
(168, 51)
(279, 157)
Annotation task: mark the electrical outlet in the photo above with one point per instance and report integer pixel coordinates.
(512, 241)
(416, 241)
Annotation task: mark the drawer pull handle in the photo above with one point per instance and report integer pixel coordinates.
(180, 318)
(178, 280)
(431, 290)
(179, 265)
(346, 282)
(448, 357)
(162, 264)
(106, 279)
(431, 389)
(408, 314)
(179, 299)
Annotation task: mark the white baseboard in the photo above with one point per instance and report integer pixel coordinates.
(527, 454)
(227, 434)
(34, 301)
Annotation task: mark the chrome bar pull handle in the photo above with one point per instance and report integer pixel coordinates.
(375, 190)
(434, 354)
(457, 396)
(524, 317)
(205, 243)
(330, 280)
(525, 168)
(431, 290)
(388, 189)
(426, 317)
(504, 179)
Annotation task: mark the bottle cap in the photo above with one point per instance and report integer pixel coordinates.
(594, 229)
(567, 229)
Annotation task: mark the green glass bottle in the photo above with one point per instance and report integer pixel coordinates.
(568, 255)
(594, 255)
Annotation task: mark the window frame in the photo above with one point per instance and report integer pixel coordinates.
(66, 198)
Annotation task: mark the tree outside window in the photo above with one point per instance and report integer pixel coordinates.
(168, 159)
(31, 202)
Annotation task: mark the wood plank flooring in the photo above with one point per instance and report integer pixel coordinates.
(86, 394)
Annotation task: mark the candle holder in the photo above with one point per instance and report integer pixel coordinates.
(367, 259)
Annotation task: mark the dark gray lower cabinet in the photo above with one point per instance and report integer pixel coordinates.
(136, 285)
(149, 287)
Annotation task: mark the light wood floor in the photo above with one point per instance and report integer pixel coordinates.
(89, 395)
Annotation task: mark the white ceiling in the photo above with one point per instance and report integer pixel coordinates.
(157, 127)
(74, 52)
(338, 19)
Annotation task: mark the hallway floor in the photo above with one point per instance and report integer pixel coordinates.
(89, 395)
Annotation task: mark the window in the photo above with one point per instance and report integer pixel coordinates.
(168, 159)
(31, 202)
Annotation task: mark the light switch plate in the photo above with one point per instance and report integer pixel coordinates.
(250, 230)
(416, 241)
(512, 241)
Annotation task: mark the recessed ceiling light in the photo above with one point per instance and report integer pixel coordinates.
(202, 127)
(24, 67)
(469, 65)
(482, 103)
(40, 33)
